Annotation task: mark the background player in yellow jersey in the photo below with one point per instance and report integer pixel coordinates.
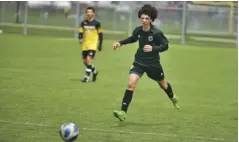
(91, 38)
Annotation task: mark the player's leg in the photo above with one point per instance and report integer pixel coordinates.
(88, 68)
(135, 74)
(90, 62)
(92, 51)
(128, 95)
(132, 81)
(88, 59)
(166, 86)
(156, 73)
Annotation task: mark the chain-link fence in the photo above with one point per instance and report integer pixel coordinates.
(118, 20)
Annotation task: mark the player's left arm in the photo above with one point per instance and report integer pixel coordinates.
(80, 32)
(100, 33)
(161, 43)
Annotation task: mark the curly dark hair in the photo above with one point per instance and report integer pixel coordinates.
(149, 10)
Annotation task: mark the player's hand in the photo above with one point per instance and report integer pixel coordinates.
(99, 48)
(116, 45)
(148, 48)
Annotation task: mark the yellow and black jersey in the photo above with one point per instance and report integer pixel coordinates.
(91, 33)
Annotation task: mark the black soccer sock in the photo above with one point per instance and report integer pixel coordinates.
(126, 100)
(88, 70)
(169, 91)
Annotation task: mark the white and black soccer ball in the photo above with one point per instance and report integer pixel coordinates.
(69, 132)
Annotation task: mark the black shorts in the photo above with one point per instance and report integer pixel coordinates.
(154, 71)
(90, 53)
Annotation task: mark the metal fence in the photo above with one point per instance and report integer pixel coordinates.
(118, 20)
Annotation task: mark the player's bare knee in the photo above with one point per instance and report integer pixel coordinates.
(163, 84)
(88, 59)
(132, 80)
(84, 61)
(87, 62)
(131, 85)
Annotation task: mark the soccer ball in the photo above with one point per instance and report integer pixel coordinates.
(69, 132)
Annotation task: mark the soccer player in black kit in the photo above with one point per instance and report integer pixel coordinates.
(147, 59)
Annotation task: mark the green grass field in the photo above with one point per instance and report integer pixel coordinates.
(40, 89)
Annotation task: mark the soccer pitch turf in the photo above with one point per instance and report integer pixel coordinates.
(40, 89)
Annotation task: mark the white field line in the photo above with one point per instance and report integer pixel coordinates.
(55, 27)
(214, 39)
(126, 132)
(200, 38)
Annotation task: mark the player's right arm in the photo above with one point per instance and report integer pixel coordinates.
(133, 38)
(81, 31)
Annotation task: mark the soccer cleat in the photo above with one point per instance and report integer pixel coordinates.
(85, 80)
(95, 76)
(175, 102)
(121, 115)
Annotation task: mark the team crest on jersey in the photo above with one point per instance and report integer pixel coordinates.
(150, 38)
